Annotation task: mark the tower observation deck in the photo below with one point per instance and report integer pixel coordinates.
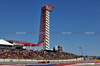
(44, 26)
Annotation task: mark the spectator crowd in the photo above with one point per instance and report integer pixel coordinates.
(31, 54)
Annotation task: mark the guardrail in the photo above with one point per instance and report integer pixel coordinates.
(36, 61)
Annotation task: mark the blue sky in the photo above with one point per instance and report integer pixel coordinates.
(77, 17)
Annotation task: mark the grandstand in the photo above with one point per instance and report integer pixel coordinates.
(36, 55)
(13, 50)
(10, 45)
(5, 44)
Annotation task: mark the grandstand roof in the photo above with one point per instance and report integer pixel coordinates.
(3, 42)
(25, 43)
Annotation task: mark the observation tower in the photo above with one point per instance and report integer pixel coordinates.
(44, 26)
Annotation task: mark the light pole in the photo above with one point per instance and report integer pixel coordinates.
(81, 50)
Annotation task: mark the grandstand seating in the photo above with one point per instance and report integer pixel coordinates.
(37, 55)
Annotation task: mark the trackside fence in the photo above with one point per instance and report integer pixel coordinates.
(36, 61)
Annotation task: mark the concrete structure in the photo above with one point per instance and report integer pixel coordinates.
(58, 48)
